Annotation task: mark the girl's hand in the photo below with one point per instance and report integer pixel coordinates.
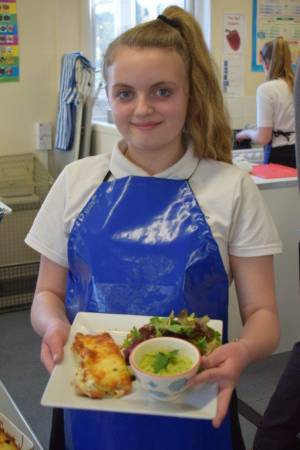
(223, 366)
(241, 136)
(53, 343)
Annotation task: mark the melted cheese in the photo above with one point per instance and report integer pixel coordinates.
(101, 368)
(7, 442)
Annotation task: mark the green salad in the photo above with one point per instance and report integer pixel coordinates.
(184, 326)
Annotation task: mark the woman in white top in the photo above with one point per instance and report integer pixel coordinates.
(275, 108)
(162, 224)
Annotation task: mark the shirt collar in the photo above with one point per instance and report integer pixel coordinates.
(121, 167)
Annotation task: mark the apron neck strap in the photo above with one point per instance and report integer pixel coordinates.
(108, 174)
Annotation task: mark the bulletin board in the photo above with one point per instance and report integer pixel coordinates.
(273, 18)
(9, 42)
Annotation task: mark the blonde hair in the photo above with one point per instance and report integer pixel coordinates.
(207, 121)
(278, 54)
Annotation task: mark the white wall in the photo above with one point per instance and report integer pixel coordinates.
(242, 109)
(31, 99)
(50, 28)
(47, 30)
(104, 137)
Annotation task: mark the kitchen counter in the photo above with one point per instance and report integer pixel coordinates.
(282, 197)
(267, 183)
(247, 158)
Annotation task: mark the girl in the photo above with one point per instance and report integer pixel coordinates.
(275, 106)
(164, 222)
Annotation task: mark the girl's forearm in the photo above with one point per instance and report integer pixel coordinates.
(262, 135)
(261, 334)
(252, 134)
(47, 309)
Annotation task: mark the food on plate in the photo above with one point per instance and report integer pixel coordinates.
(7, 442)
(164, 362)
(101, 368)
(184, 326)
(164, 365)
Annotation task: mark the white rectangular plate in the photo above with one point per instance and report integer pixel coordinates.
(196, 403)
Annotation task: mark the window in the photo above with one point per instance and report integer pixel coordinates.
(112, 17)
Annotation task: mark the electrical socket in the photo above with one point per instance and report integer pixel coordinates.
(43, 136)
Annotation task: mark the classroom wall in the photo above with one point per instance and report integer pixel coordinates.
(50, 28)
(47, 29)
(242, 109)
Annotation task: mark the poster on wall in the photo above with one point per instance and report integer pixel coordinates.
(232, 76)
(234, 34)
(273, 18)
(233, 52)
(9, 42)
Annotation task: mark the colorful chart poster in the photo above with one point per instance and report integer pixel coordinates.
(273, 18)
(9, 42)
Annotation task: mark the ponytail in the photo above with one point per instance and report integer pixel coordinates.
(278, 54)
(207, 122)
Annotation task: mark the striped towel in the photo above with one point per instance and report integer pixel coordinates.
(75, 85)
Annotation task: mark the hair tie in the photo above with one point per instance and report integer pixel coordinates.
(171, 22)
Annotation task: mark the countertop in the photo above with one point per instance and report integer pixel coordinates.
(248, 158)
(267, 183)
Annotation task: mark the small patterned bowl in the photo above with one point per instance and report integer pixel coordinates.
(164, 387)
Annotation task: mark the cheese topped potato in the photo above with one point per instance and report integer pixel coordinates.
(7, 442)
(101, 368)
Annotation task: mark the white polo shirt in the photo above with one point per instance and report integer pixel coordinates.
(233, 206)
(275, 109)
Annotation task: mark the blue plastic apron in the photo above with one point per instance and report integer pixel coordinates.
(141, 245)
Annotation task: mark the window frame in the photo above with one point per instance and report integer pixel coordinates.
(200, 10)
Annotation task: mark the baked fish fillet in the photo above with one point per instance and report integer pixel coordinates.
(101, 368)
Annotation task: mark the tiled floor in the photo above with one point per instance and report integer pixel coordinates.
(25, 378)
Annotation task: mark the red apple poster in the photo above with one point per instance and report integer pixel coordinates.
(9, 45)
(233, 55)
(234, 34)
